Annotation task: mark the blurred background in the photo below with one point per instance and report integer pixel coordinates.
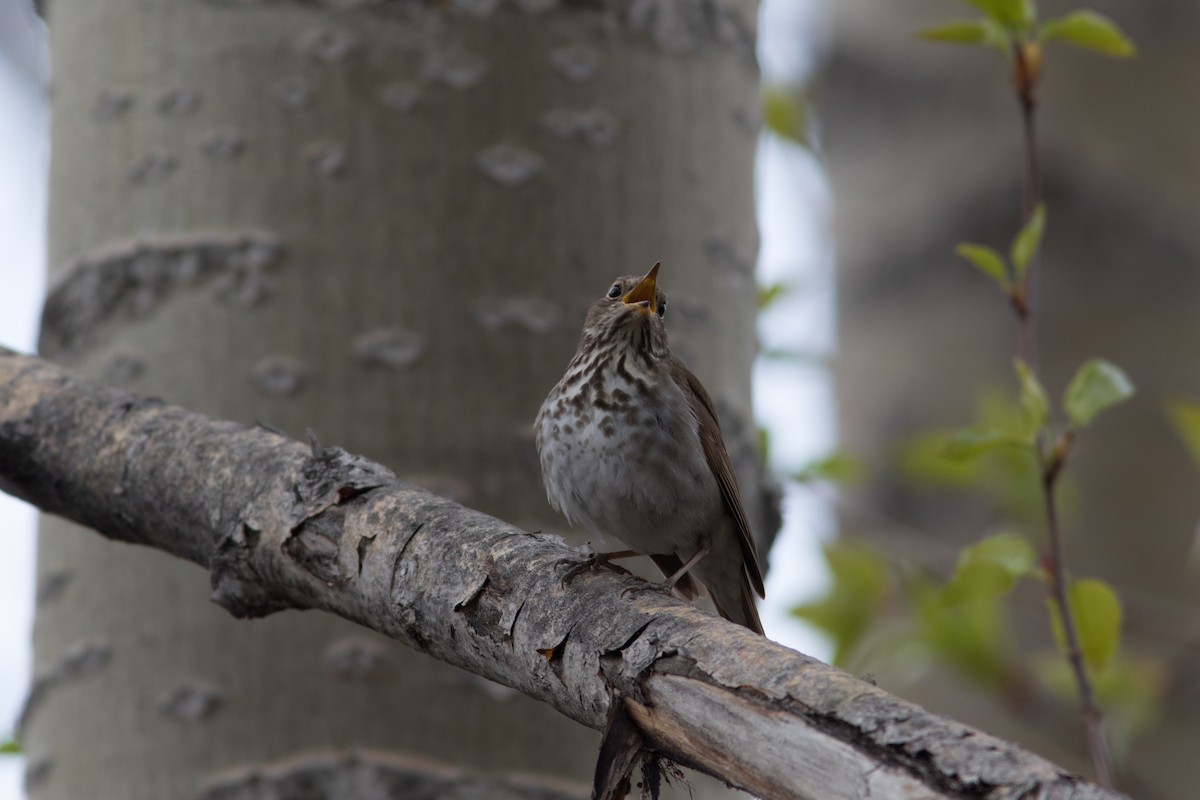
(881, 153)
(24, 157)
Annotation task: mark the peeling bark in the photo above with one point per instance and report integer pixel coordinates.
(283, 525)
(130, 278)
(83, 660)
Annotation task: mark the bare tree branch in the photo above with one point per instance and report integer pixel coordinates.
(282, 525)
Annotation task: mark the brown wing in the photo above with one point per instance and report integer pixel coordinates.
(718, 461)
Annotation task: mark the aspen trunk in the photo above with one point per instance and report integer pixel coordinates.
(380, 222)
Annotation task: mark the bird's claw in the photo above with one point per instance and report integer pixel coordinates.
(592, 563)
(649, 586)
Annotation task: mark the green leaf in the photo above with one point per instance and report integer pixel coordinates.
(856, 594)
(1012, 552)
(1097, 385)
(976, 581)
(978, 439)
(764, 442)
(1009, 476)
(970, 636)
(977, 31)
(769, 293)
(1035, 407)
(1028, 240)
(10, 747)
(922, 461)
(837, 467)
(990, 568)
(1185, 414)
(1098, 616)
(1131, 691)
(1096, 610)
(785, 113)
(1017, 14)
(1088, 30)
(801, 358)
(987, 261)
(1054, 673)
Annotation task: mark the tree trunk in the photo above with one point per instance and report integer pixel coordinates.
(381, 222)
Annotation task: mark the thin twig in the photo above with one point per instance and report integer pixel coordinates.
(1093, 718)
(1025, 77)
(1025, 301)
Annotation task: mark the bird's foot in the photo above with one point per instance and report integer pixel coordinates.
(648, 586)
(670, 584)
(594, 562)
(666, 587)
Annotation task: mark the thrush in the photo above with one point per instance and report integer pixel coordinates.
(631, 450)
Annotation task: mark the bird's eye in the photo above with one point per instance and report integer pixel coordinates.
(615, 291)
(662, 308)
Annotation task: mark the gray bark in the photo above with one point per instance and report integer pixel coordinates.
(281, 525)
(381, 221)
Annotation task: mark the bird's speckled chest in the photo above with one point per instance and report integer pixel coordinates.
(621, 453)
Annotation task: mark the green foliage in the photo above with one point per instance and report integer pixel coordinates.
(1097, 613)
(1000, 424)
(1028, 240)
(1035, 407)
(10, 747)
(763, 435)
(785, 113)
(1003, 23)
(990, 568)
(975, 31)
(978, 439)
(1097, 385)
(923, 462)
(1088, 30)
(769, 293)
(963, 622)
(960, 622)
(1185, 415)
(788, 355)
(1016, 15)
(987, 261)
(1007, 475)
(836, 467)
(856, 594)
(1010, 23)
(1014, 452)
(1129, 691)
(967, 632)
(1024, 246)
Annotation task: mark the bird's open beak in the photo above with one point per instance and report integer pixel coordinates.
(645, 293)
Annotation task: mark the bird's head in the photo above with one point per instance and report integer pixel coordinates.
(633, 306)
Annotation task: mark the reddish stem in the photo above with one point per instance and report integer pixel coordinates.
(1027, 68)
(1093, 718)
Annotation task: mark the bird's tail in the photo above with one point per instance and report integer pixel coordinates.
(736, 603)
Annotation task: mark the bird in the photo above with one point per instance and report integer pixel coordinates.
(630, 448)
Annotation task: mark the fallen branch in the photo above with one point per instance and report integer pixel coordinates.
(282, 525)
